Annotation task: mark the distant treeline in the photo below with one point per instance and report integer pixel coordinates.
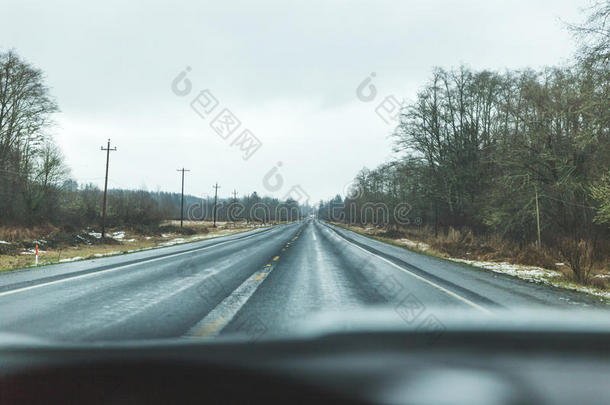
(36, 187)
(82, 206)
(496, 151)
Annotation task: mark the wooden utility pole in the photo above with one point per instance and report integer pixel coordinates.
(182, 199)
(247, 208)
(108, 150)
(538, 242)
(216, 187)
(233, 205)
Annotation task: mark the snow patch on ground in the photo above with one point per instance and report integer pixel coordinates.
(118, 235)
(201, 237)
(531, 273)
(95, 235)
(33, 252)
(70, 259)
(3, 242)
(107, 254)
(592, 291)
(174, 241)
(535, 274)
(412, 244)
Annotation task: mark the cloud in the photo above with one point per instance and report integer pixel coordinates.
(289, 70)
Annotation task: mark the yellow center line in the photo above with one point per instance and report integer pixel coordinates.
(210, 328)
(275, 258)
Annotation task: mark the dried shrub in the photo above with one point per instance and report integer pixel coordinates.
(580, 255)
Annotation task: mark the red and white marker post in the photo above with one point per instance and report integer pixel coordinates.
(37, 254)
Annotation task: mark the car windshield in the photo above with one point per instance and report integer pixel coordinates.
(262, 170)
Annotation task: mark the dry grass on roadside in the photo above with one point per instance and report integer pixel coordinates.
(464, 245)
(18, 250)
(16, 233)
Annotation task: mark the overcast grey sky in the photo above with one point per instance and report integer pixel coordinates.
(287, 70)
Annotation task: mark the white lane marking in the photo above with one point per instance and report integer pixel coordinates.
(443, 289)
(95, 273)
(313, 232)
(215, 321)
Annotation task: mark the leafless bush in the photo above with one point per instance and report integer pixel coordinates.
(580, 255)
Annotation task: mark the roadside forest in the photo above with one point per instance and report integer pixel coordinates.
(515, 158)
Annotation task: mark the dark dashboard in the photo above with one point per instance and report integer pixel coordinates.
(488, 362)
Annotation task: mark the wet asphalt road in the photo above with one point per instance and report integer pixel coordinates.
(258, 283)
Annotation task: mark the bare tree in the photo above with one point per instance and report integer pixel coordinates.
(26, 108)
(594, 34)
